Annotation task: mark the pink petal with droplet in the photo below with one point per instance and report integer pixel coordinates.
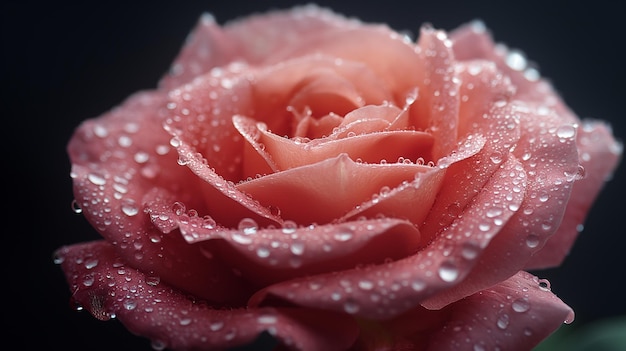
(515, 314)
(102, 283)
(225, 202)
(279, 153)
(319, 83)
(387, 290)
(598, 154)
(437, 105)
(199, 114)
(267, 256)
(324, 191)
(473, 41)
(113, 167)
(206, 47)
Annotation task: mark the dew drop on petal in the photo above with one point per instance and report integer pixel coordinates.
(248, 226)
(532, 241)
(448, 272)
(521, 305)
(503, 321)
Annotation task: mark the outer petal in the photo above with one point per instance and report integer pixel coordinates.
(103, 284)
(114, 166)
(598, 154)
(515, 314)
(473, 41)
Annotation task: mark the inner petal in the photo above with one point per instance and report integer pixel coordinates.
(324, 191)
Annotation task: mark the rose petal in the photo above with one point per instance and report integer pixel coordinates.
(331, 187)
(113, 167)
(437, 105)
(372, 45)
(598, 154)
(224, 201)
(104, 285)
(515, 314)
(426, 186)
(548, 154)
(277, 153)
(199, 114)
(206, 47)
(473, 41)
(387, 290)
(266, 256)
(290, 86)
(263, 36)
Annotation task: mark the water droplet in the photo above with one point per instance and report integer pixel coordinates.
(544, 284)
(289, 227)
(153, 280)
(297, 248)
(267, 319)
(496, 157)
(248, 226)
(262, 252)
(448, 272)
(130, 305)
(570, 317)
(566, 131)
(215, 326)
(96, 179)
(516, 60)
(470, 250)
(241, 239)
(91, 263)
(76, 207)
(532, 241)
(418, 285)
(129, 208)
(503, 321)
(351, 307)
(521, 305)
(185, 321)
(344, 234)
(366, 285)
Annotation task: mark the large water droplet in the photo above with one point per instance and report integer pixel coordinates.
(344, 234)
(566, 131)
(521, 305)
(448, 272)
(503, 321)
(96, 178)
(248, 226)
(532, 241)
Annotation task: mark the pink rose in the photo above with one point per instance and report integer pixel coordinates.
(336, 185)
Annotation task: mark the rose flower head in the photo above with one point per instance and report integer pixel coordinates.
(336, 185)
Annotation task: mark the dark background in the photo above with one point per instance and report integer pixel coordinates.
(66, 62)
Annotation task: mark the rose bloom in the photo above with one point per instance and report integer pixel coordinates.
(336, 185)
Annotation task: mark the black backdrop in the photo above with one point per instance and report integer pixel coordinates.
(65, 62)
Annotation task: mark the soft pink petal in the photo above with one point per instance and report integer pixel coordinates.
(372, 45)
(387, 290)
(332, 188)
(114, 166)
(264, 36)
(515, 314)
(102, 283)
(598, 154)
(206, 47)
(265, 256)
(224, 201)
(318, 83)
(547, 151)
(473, 41)
(437, 106)
(199, 114)
(280, 153)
